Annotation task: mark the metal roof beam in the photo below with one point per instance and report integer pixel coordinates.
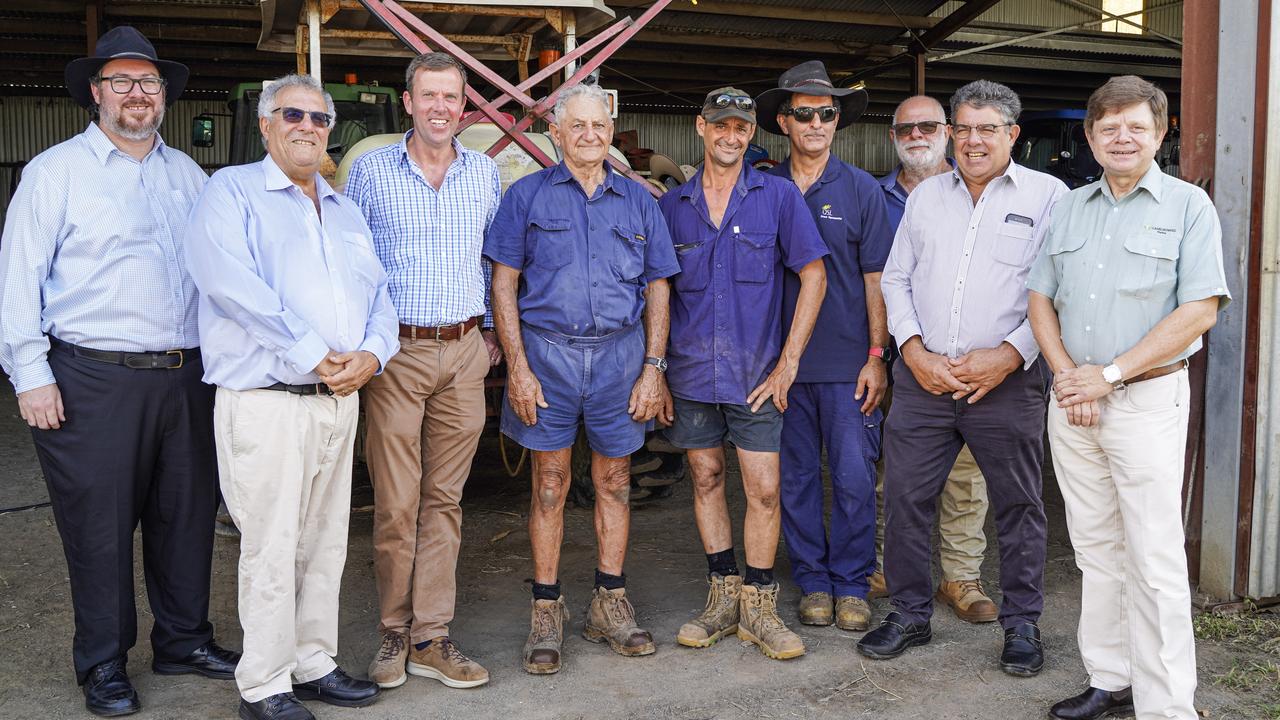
(1056, 64)
(788, 43)
(774, 12)
(962, 16)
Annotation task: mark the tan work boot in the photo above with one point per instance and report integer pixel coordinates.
(968, 600)
(852, 613)
(719, 618)
(612, 619)
(387, 667)
(759, 623)
(443, 661)
(546, 634)
(815, 609)
(878, 588)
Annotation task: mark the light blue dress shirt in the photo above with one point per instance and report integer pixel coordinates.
(281, 285)
(92, 254)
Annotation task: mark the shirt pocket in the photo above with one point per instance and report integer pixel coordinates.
(628, 253)
(756, 256)
(1151, 270)
(552, 244)
(694, 260)
(1014, 244)
(361, 260)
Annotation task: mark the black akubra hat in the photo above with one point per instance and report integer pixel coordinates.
(808, 78)
(119, 43)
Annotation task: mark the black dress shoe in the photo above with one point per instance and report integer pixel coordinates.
(275, 707)
(338, 688)
(893, 637)
(1093, 704)
(1023, 655)
(209, 660)
(108, 692)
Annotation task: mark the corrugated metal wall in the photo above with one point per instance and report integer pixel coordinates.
(1051, 14)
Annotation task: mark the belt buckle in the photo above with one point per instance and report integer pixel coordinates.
(437, 330)
(323, 389)
(182, 358)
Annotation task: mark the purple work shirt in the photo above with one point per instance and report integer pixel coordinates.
(726, 303)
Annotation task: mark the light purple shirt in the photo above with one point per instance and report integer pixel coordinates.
(956, 275)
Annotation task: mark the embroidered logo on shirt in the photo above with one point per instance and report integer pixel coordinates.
(827, 214)
(1160, 230)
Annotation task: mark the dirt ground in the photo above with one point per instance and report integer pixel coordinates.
(956, 676)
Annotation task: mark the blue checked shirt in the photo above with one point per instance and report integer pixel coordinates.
(92, 254)
(430, 240)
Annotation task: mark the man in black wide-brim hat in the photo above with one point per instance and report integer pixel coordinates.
(99, 339)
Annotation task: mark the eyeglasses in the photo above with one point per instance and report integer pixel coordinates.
(805, 114)
(741, 101)
(928, 127)
(960, 132)
(293, 116)
(123, 84)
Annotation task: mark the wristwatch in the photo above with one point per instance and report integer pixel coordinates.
(879, 352)
(1114, 375)
(660, 363)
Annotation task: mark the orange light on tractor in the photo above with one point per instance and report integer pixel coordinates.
(351, 79)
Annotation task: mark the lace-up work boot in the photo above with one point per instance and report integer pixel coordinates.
(612, 619)
(759, 623)
(387, 667)
(719, 618)
(815, 609)
(852, 613)
(546, 635)
(878, 588)
(968, 600)
(443, 661)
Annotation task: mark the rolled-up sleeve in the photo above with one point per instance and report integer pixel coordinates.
(27, 248)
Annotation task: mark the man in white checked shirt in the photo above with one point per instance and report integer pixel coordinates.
(428, 201)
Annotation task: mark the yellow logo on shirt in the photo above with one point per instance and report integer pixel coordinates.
(826, 213)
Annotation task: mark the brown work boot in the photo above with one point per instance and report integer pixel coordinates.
(719, 618)
(878, 588)
(815, 609)
(968, 600)
(759, 623)
(443, 661)
(387, 667)
(852, 613)
(612, 619)
(546, 634)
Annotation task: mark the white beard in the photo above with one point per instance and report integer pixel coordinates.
(922, 162)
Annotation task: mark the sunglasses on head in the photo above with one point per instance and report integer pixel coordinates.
(928, 127)
(741, 101)
(293, 116)
(805, 114)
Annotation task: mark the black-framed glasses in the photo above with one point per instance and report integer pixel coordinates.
(986, 131)
(927, 127)
(123, 84)
(742, 102)
(293, 116)
(805, 114)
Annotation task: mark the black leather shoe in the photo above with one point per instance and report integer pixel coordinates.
(1093, 704)
(338, 688)
(275, 707)
(893, 637)
(108, 692)
(209, 660)
(1023, 654)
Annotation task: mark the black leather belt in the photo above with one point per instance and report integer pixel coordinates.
(162, 360)
(314, 389)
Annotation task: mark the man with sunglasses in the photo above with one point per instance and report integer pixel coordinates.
(835, 401)
(955, 290)
(920, 134)
(99, 338)
(295, 318)
(735, 231)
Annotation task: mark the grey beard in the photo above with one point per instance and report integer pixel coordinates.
(112, 122)
(922, 163)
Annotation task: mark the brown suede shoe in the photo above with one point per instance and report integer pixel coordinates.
(852, 613)
(443, 661)
(815, 609)
(546, 635)
(759, 623)
(968, 601)
(719, 618)
(387, 667)
(612, 619)
(878, 588)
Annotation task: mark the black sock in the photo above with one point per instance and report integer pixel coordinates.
(610, 582)
(759, 576)
(421, 646)
(722, 563)
(546, 592)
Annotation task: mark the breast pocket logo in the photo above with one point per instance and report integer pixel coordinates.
(827, 214)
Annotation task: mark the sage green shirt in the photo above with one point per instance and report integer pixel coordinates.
(1115, 268)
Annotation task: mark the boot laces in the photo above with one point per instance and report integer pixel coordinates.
(392, 646)
(544, 623)
(451, 651)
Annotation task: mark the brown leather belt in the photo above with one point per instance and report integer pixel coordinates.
(1154, 373)
(446, 333)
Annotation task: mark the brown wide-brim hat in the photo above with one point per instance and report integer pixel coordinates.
(808, 78)
(123, 43)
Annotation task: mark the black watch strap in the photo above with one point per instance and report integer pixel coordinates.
(660, 363)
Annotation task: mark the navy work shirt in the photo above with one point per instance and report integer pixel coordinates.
(726, 303)
(584, 262)
(849, 208)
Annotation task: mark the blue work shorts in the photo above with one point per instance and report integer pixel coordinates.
(701, 425)
(584, 380)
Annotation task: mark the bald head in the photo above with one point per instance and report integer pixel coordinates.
(920, 108)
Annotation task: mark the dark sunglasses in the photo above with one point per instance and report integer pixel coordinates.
(805, 114)
(293, 116)
(741, 101)
(928, 127)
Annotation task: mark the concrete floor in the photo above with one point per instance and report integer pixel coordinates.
(956, 676)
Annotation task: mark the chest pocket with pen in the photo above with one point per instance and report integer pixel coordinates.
(628, 252)
(1014, 244)
(754, 256)
(552, 248)
(1151, 265)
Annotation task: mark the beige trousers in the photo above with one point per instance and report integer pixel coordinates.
(1122, 483)
(425, 413)
(284, 463)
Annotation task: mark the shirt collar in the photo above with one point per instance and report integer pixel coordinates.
(102, 147)
(833, 170)
(561, 174)
(748, 180)
(890, 182)
(275, 179)
(458, 149)
(1013, 171)
(1152, 181)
